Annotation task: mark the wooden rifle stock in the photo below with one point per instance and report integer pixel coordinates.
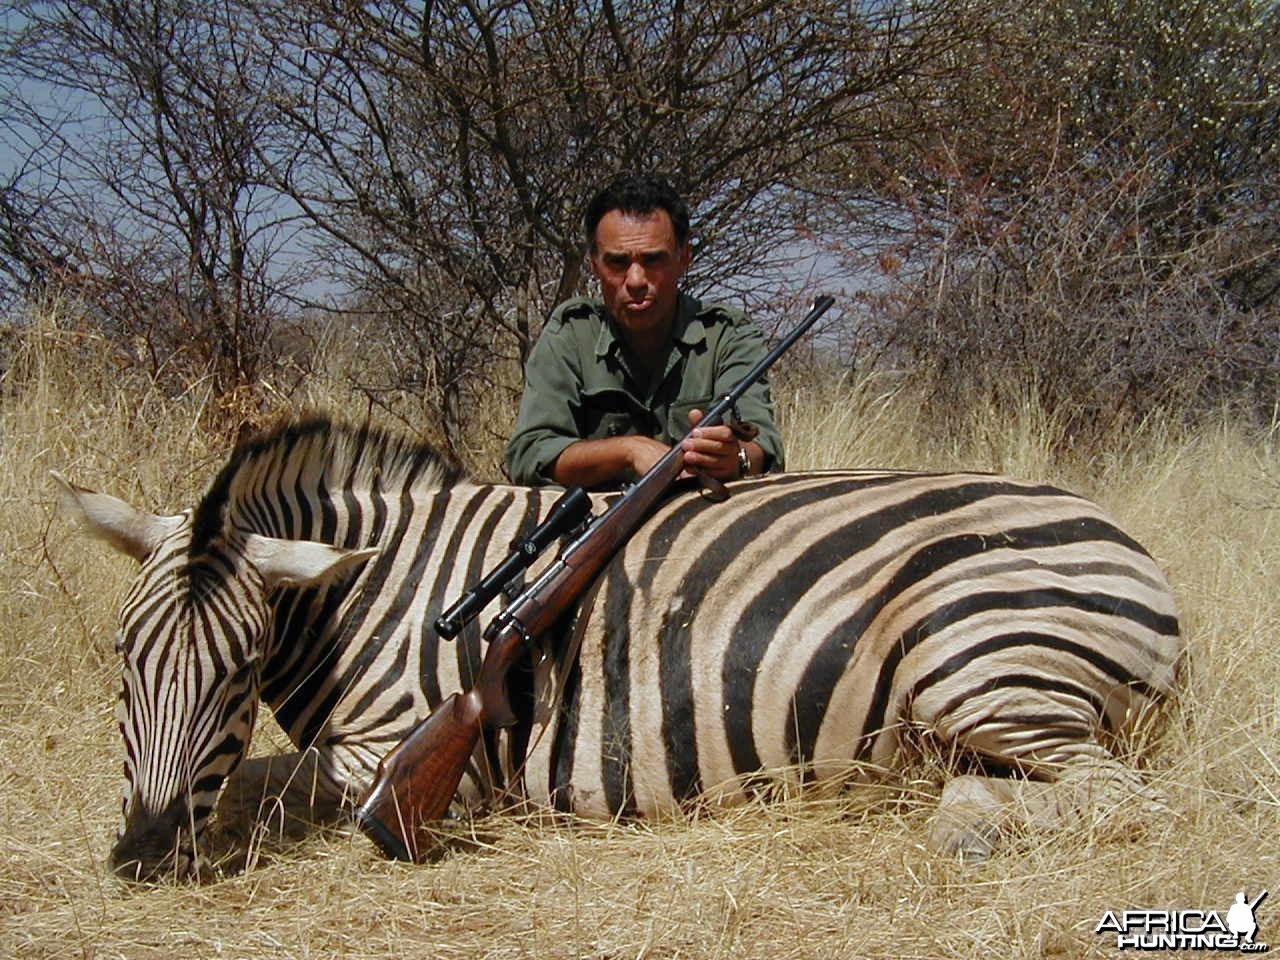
(416, 781)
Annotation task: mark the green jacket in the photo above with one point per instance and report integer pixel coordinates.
(580, 386)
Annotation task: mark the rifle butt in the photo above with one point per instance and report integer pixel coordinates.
(416, 781)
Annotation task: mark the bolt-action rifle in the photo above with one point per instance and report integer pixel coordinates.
(416, 781)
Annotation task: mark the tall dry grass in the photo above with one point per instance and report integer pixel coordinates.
(831, 877)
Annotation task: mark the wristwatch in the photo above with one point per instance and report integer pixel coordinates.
(744, 462)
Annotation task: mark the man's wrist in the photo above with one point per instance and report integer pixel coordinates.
(744, 461)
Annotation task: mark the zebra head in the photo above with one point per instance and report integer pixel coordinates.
(192, 633)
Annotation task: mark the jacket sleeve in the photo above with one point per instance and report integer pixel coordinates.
(741, 348)
(547, 422)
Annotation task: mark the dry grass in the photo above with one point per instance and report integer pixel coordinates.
(801, 878)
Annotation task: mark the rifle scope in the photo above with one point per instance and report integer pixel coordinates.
(565, 514)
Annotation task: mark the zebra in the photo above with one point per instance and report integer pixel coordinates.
(815, 627)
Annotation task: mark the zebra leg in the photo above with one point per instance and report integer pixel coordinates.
(1091, 791)
(286, 794)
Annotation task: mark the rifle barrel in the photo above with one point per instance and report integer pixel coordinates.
(820, 306)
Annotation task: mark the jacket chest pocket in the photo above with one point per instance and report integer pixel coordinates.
(611, 413)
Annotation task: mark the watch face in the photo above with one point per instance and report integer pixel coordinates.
(744, 462)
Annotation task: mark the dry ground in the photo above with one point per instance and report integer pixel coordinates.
(835, 877)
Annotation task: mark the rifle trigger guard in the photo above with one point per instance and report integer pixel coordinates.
(536, 650)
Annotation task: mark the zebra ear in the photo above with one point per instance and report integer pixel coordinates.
(107, 518)
(289, 563)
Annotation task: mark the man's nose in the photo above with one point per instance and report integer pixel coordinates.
(636, 277)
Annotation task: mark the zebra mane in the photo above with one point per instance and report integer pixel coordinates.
(341, 456)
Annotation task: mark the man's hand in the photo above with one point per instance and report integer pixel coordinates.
(713, 451)
(709, 451)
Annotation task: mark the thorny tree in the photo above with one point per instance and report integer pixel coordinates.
(143, 140)
(1101, 231)
(447, 149)
(1077, 195)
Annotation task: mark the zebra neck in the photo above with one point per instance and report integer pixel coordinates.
(362, 657)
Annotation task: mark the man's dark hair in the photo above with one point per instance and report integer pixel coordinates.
(637, 193)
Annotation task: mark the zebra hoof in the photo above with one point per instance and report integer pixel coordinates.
(967, 825)
(968, 843)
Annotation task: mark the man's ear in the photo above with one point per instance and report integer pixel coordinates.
(130, 531)
(294, 563)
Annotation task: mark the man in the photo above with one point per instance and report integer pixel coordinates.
(614, 381)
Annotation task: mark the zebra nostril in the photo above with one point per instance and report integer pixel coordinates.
(135, 865)
(126, 868)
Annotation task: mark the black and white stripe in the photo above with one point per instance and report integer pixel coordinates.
(809, 623)
(817, 620)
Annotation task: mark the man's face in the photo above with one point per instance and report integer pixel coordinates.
(639, 264)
